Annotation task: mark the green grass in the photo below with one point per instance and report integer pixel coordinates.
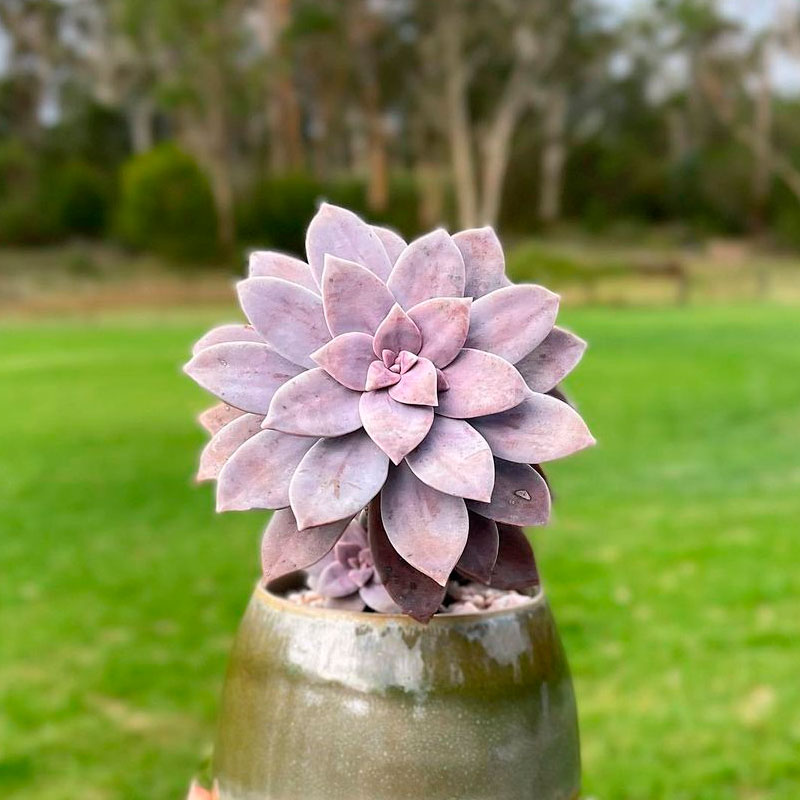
(672, 563)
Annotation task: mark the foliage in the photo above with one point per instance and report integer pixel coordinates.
(79, 195)
(662, 571)
(166, 206)
(276, 210)
(24, 219)
(366, 363)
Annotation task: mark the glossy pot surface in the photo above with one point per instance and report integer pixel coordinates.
(334, 705)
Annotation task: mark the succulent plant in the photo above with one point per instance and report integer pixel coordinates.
(346, 578)
(411, 380)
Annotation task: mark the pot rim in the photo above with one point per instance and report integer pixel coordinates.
(279, 603)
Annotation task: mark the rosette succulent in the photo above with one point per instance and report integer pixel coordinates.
(346, 578)
(411, 380)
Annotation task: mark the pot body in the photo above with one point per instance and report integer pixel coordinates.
(329, 705)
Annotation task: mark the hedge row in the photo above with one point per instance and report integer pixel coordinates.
(161, 202)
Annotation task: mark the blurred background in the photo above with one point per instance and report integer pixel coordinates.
(641, 158)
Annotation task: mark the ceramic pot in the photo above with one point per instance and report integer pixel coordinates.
(334, 705)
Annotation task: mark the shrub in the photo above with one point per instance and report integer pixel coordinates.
(166, 206)
(274, 213)
(24, 218)
(78, 195)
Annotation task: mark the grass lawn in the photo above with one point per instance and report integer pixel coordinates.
(672, 563)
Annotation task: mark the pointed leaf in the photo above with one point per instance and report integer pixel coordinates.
(551, 362)
(258, 474)
(337, 478)
(289, 317)
(431, 266)
(354, 298)
(480, 383)
(338, 232)
(395, 427)
(224, 444)
(480, 555)
(510, 322)
(314, 404)
(520, 496)
(244, 374)
(515, 567)
(484, 262)
(379, 377)
(455, 459)
(397, 332)
(427, 528)
(285, 549)
(227, 333)
(417, 386)
(268, 264)
(217, 417)
(443, 323)
(416, 594)
(347, 358)
(539, 429)
(393, 243)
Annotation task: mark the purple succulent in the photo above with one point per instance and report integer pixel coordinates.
(347, 577)
(410, 379)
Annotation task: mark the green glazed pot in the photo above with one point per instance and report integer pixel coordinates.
(335, 705)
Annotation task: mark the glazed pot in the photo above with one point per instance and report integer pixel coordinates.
(334, 705)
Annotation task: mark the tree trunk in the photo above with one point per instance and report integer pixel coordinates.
(458, 122)
(286, 140)
(762, 147)
(554, 154)
(140, 121)
(377, 163)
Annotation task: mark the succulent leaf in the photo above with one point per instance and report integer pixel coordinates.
(443, 323)
(397, 428)
(426, 527)
(337, 478)
(285, 549)
(431, 266)
(539, 429)
(354, 298)
(478, 560)
(314, 404)
(480, 383)
(396, 333)
(227, 333)
(454, 458)
(258, 473)
(515, 567)
(218, 416)
(520, 496)
(347, 358)
(415, 593)
(393, 242)
(290, 318)
(417, 384)
(338, 232)
(243, 374)
(552, 360)
(224, 443)
(268, 264)
(510, 322)
(484, 262)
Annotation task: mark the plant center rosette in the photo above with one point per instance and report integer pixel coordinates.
(413, 381)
